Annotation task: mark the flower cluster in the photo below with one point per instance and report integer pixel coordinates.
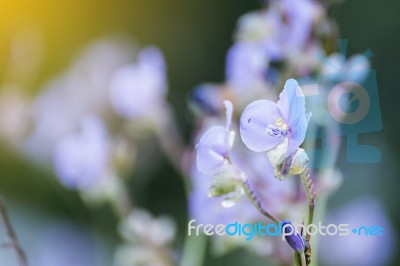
(287, 39)
(89, 123)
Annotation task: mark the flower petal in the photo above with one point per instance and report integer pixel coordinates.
(212, 149)
(298, 134)
(294, 239)
(291, 105)
(254, 123)
(291, 102)
(229, 112)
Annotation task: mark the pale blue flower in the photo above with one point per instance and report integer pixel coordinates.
(138, 89)
(80, 159)
(283, 29)
(246, 65)
(214, 146)
(265, 124)
(299, 16)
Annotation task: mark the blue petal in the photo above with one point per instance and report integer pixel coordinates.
(291, 102)
(291, 106)
(229, 113)
(254, 122)
(212, 149)
(298, 134)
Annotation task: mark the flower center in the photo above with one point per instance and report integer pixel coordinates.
(279, 129)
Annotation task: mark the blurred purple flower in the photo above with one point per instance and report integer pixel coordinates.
(246, 65)
(354, 249)
(282, 29)
(80, 158)
(137, 89)
(214, 146)
(299, 16)
(262, 28)
(265, 124)
(80, 90)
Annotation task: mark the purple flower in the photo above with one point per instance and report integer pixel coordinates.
(138, 89)
(300, 15)
(80, 159)
(206, 98)
(80, 90)
(246, 65)
(214, 146)
(294, 239)
(213, 160)
(284, 29)
(265, 124)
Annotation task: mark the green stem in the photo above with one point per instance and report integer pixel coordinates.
(303, 258)
(300, 259)
(194, 251)
(310, 192)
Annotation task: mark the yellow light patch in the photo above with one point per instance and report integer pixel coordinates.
(279, 122)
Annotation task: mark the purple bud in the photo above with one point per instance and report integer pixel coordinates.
(206, 99)
(294, 239)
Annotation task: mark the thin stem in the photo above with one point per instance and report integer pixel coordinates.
(303, 259)
(256, 201)
(194, 250)
(310, 192)
(300, 259)
(11, 235)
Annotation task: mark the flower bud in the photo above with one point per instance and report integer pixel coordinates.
(299, 162)
(294, 239)
(227, 182)
(278, 154)
(294, 164)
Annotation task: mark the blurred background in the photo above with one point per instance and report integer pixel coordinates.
(40, 39)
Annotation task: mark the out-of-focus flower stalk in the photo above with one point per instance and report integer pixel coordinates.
(11, 235)
(194, 251)
(171, 141)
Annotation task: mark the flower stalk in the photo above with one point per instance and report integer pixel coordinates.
(255, 200)
(11, 235)
(310, 193)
